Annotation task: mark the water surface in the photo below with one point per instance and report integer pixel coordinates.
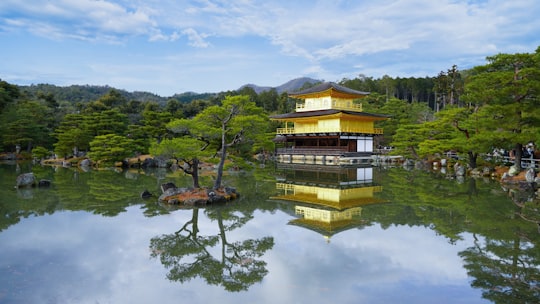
(395, 236)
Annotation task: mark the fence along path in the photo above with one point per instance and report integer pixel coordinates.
(525, 162)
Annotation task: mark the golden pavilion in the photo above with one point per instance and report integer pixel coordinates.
(328, 128)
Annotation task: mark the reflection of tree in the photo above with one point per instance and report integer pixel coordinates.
(16, 204)
(506, 266)
(104, 192)
(506, 271)
(188, 254)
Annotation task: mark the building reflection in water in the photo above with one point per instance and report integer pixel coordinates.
(328, 200)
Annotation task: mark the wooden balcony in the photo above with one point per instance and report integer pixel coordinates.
(312, 151)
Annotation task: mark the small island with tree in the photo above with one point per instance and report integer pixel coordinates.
(214, 130)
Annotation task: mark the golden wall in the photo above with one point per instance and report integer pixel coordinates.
(334, 125)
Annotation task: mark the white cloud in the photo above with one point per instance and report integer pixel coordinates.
(328, 39)
(196, 39)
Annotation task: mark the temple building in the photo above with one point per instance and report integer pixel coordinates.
(328, 128)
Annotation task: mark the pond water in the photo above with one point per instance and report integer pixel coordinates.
(296, 235)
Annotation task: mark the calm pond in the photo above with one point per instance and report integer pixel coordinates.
(296, 235)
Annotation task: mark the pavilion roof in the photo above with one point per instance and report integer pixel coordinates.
(294, 115)
(328, 89)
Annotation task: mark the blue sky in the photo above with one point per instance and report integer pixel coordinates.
(173, 46)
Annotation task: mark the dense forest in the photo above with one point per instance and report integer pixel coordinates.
(470, 112)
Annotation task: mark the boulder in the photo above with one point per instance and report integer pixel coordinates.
(44, 183)
(26, 180)
(214, 197)
(230, 190)
(408, 163)
(85, 163)
(146, 194)
(487, 171)
(513, 171)
(419, 165)
(195, 202)
(459, 170)
(167, 186)
(475, 172)
(173, 201)
(530, 175)
(149, 163)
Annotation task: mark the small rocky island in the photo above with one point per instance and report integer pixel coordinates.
(193, 196)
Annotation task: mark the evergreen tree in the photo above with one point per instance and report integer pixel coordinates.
(509, 87)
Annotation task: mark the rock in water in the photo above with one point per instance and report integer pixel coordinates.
(44, 183)
(167, 186)
(146, 194)
(26, 180)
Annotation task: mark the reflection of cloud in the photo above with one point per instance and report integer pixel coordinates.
(88, 258)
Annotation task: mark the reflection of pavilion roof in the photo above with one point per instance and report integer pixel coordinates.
(327, 229)
(328, 211)
(325, 221)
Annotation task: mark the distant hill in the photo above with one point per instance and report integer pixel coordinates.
(289, 86)
(188, 97)
(88, 93)
(297, 84)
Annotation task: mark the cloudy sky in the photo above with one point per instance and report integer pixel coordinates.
(173, 46)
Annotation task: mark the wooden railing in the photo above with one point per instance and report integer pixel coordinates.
(329, 130)
(334, 104)
(525, 162)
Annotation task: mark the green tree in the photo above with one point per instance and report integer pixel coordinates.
(113, 99)
(236, 121)
(155, 124)
(40, 153)
(268, 100)
(9, 93)
(284, 103)
(108, 122)
(175, 107)
(401, 115)
(73, 135)
(193, 108)
(26, 124)
(457, 129)
(509, 85)
(110, 148)
(186, 149)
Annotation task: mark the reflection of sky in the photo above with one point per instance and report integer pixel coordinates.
(77, 257)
